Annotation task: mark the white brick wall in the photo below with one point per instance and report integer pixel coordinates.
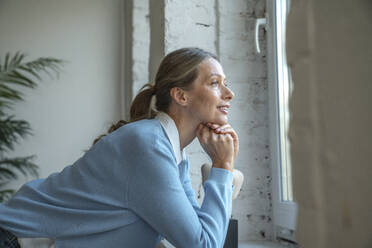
(227, 29)
(249, 116)
(141, 45)
(190, 23)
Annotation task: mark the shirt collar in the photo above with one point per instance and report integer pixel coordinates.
(172, 132)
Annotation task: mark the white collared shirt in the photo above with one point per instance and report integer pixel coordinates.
(172, 132)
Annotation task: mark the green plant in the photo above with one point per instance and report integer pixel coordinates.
(15, 74)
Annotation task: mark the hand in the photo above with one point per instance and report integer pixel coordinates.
(226, 129)
(219, 147)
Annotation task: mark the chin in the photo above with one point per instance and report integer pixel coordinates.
(221, 120)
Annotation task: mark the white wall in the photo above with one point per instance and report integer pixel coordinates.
(66, 114)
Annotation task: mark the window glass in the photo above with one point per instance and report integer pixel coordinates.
(284, 91)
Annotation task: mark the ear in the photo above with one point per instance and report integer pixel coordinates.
(179, 96)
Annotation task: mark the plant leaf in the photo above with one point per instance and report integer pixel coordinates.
(11, 130)
(5, 195)
(24, 165)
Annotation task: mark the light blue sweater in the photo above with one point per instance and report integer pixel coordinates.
(127, 191)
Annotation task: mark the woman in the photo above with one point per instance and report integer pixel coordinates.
(133, 187)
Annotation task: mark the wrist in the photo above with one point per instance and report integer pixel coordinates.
(224, 165)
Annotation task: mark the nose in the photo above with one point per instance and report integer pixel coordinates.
(228, 94)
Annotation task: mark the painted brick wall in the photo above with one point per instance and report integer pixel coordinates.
(140, 45)
(247, 72)
(227, 29)
(191, 23)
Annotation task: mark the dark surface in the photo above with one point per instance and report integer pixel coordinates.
(231, 240)
(8, 240)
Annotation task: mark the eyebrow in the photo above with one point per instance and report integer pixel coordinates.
(216, 74)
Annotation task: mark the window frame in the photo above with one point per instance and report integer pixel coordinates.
(284, 212)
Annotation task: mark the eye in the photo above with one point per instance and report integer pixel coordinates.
(214, 82)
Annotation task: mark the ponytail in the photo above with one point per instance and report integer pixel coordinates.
(141, 105)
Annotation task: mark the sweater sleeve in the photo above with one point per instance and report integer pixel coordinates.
(156, 194)
(187, 187)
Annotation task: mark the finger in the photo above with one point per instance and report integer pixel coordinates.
(214, 136)
(213, 125)
(223, 127)
(226, 129)
(234, 136)
(229, 130)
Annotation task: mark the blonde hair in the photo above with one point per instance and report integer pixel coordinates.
(178, 69)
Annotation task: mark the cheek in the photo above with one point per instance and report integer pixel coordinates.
(209, 105)
(208, 101)
(213, 99)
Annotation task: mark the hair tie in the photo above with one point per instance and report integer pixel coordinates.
(153, 90)
(153, 103)
(153, 99)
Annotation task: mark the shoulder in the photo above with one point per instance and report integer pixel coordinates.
(147, 130)
(142, 134)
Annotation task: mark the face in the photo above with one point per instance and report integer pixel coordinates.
(209, 98)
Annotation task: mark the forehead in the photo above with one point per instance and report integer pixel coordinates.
(210, 67)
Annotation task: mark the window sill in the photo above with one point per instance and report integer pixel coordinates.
(262, 244)
(245, 244)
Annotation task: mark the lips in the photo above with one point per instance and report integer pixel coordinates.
(224, 108)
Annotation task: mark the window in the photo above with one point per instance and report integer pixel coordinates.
(284, 90)
(280, 86)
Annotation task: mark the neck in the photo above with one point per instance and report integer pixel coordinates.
(186, 127)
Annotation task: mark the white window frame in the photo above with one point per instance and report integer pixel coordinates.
(284, 212)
